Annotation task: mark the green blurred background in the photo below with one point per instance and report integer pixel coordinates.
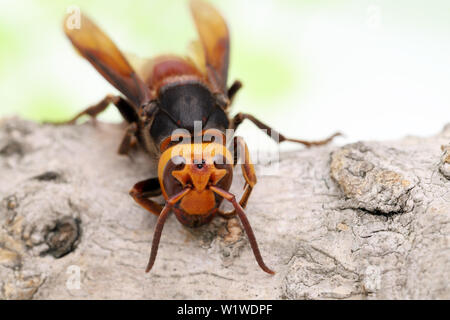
(372, 69)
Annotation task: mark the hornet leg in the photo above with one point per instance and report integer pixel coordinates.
(147, 189)
(242, 157)
(234, 89)
(240, 117)
(129, 140)
(126, 110)
(248, 229)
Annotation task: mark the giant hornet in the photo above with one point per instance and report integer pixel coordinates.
(164, 99)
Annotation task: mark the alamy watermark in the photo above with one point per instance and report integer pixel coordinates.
(74, 277)
(73, 20)
(211, 144)
(374, 17)
(372, 278)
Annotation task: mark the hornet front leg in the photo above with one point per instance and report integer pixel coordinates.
(242, 157)
(147, 189)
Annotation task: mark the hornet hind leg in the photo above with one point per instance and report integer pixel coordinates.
(127, 111)
(240, 117)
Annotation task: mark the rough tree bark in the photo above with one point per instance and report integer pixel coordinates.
(366, 220)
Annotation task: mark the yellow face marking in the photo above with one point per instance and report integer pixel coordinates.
(199, 166)
(200, 177)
